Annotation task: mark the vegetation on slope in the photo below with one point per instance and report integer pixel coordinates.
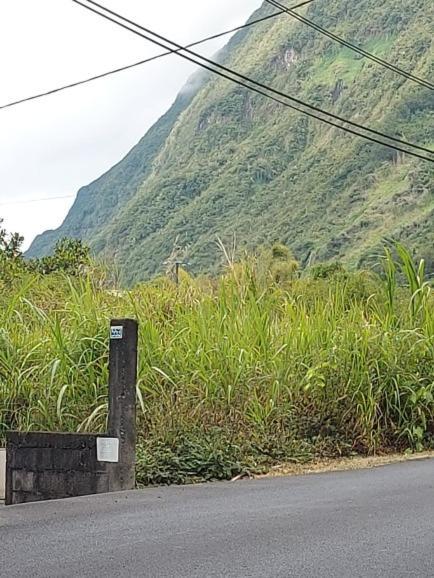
(232, 159)
(98, 203)
(261, 365)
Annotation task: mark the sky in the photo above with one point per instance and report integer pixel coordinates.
(51, 147)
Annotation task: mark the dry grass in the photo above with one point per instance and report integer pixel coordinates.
(344, 464)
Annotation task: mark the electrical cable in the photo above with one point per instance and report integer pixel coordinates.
(217, 66)
(237, 74)
(365, 53)
(147, 60)
(41, 200)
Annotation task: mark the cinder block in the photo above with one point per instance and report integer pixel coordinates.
(81, 483)
(23, 481)
(24, 458)
(25, 497)
(53, 483)
(66, 460)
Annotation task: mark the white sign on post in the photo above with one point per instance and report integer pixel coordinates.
(107, 450)
(116, 332)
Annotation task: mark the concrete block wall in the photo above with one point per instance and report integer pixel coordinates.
(44, 466)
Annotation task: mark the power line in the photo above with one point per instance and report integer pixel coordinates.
(355, 48)
(28, 201)
(221, 67)
(215, 65)
(151, 59)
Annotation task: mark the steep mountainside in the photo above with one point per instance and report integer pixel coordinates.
(228, 161)
(97, 203)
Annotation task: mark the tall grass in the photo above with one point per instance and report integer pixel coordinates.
(234, 373)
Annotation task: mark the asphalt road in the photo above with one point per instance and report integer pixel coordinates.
(361, 523)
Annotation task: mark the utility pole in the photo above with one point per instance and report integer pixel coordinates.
(174, 262)
(177, 265)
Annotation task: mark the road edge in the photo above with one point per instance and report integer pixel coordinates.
(342, 464)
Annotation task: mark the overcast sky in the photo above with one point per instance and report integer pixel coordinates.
(53, 146)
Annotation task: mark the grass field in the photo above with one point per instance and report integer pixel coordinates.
(236, 374)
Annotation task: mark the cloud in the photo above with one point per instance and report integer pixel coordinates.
(52, 147)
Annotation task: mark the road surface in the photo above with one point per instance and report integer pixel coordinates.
(359, 523)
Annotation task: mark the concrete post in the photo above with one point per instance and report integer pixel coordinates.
(122, 399)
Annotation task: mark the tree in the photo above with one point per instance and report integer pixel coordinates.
(328, 270)
(11, 257)
(10, 245)
(278, 262)
(70, 256)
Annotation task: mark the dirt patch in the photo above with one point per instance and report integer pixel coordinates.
(336, 465)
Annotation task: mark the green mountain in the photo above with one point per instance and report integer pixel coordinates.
(225, 161)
